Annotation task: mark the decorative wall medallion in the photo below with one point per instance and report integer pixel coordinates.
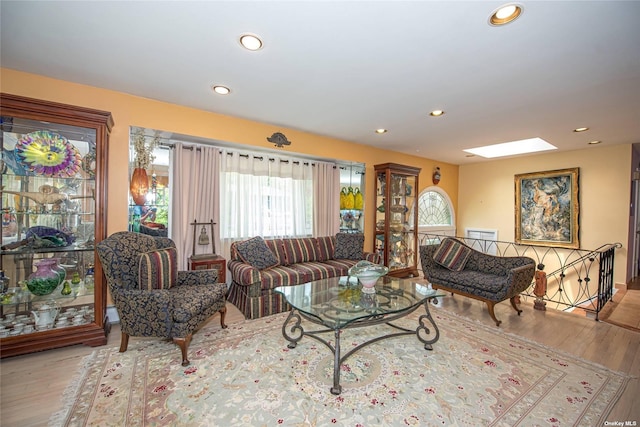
(436, 176)
(279, 139)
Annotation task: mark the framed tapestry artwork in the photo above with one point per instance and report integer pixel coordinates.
(547, 209)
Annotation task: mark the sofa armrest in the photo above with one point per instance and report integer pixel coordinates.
(520, 279)
(244, 274)
(197, 277)
(426, 259)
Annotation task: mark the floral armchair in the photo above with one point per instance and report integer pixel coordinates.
(153, 299)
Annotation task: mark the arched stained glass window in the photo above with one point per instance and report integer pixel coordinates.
(434, 210)
(435, 215)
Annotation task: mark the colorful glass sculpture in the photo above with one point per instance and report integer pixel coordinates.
(368, 273)
(48, 154)
(139, 186)
(358, 199)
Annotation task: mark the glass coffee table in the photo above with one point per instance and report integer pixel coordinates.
(341, 303)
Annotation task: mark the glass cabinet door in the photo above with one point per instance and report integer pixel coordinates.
(352, 198)
(396, 219)
(51, 185)
(149, 207)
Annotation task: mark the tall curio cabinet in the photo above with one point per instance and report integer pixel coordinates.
(53, 187)
(396, 225)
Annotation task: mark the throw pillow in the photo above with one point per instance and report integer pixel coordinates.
(256, 253)
(326, 247)
(349, 246)
(452, 254)
(276, 246)
(158, 269)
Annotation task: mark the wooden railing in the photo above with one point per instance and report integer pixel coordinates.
(569, 271)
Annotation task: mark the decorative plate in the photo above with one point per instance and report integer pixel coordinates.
(89, 163)
(48, 154)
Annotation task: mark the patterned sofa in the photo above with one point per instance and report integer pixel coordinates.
(258, 266)
(455, 267)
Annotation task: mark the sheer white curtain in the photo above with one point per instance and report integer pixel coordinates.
(326, 199)
(264, 196)
(194, 194)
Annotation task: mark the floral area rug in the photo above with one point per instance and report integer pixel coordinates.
(246, 376)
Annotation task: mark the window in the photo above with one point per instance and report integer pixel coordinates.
(268, 197)
(266, 206)
(435, 212)
(257, 193)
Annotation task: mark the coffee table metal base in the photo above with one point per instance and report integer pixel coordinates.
(293, 331)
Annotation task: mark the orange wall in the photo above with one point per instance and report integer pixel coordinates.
(128, 110)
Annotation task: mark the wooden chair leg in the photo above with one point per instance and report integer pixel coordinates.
(513, 304)
(124, 342)
(490, 306)
(183, 343)
(223, 313)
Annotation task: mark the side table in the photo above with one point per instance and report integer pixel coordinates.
(209, 261)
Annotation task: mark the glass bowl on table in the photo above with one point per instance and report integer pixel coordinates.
(368, 274)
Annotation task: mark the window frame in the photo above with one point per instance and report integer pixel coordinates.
(449, 230)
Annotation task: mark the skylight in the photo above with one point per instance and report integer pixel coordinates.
(525, 146)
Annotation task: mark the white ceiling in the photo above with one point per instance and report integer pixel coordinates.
(345, 68)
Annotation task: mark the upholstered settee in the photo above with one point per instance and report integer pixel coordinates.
(154, 298)
(455, 267)
(257, 266)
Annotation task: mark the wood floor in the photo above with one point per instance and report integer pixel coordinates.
(623, 310)
(31, 386)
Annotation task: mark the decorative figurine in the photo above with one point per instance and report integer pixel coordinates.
(540, 288)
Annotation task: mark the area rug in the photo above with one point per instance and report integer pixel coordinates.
(246, 376)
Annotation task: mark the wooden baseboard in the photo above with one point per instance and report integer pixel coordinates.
(621, 286)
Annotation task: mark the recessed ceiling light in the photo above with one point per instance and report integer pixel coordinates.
(581, 129)
(380, 131)
(505, 14)
(221, 90)
(436, 113)
(525, 146)
(594, 142)
(251, 42)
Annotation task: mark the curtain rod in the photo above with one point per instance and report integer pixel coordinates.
(169, 143)
(295, 162)
(356, 172)
(191, 148)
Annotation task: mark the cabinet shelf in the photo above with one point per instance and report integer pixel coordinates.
(55, 179)
(81, 293)
(54, 213)
(61, 203)
(47, 250)
(396, 218)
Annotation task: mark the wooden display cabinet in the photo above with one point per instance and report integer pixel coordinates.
(53, 178)
(396, 225)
